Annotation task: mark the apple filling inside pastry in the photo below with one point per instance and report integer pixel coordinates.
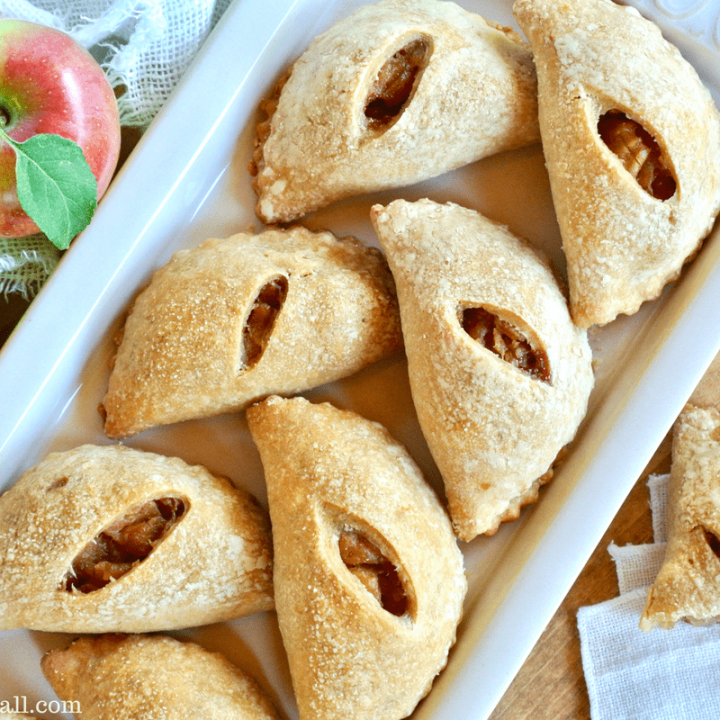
(506, 341)
(123, 544)
(261, 319)
(639, 153)
(713, 541)
(393, 86)
(377, 574)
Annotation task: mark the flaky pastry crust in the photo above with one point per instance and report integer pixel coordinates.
(622, 243)
(329, 471)
(181, 355)
(494, 429)
(687, 586)
(144, 677)
(212, 565)
(473, 94)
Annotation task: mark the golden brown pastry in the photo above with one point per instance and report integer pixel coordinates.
(500, 376)
(688, 584)
(632, 143)
(144, 677)
(369, 581)
(234, 320)
(16, 716)
(111, 539)
(400, 91)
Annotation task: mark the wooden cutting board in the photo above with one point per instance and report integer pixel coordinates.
(551, 685)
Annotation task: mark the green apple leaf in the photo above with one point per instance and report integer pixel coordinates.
(55, 185)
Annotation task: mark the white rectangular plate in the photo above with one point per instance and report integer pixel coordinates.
(188, 180)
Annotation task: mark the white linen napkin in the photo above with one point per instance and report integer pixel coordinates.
(659, 675)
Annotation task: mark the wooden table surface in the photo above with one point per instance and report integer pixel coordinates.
(550, 684)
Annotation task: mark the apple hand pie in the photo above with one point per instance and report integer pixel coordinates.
(111, 539)
(148, 677)
(369, 581)
(499, 374)
(399, 92)
(235, 320)
(687, 586)
(632, 143)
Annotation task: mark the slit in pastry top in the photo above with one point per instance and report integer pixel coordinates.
(713, 541)
(124, 544)
(638, 152)
(261, 320)
(377, 574)
(366, 556)
(395, 84)
(504, 339)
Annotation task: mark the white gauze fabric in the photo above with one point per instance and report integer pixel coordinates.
(144, 46)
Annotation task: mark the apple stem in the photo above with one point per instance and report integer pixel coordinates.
(4, 116)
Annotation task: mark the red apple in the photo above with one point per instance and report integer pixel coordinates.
(51, 84)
